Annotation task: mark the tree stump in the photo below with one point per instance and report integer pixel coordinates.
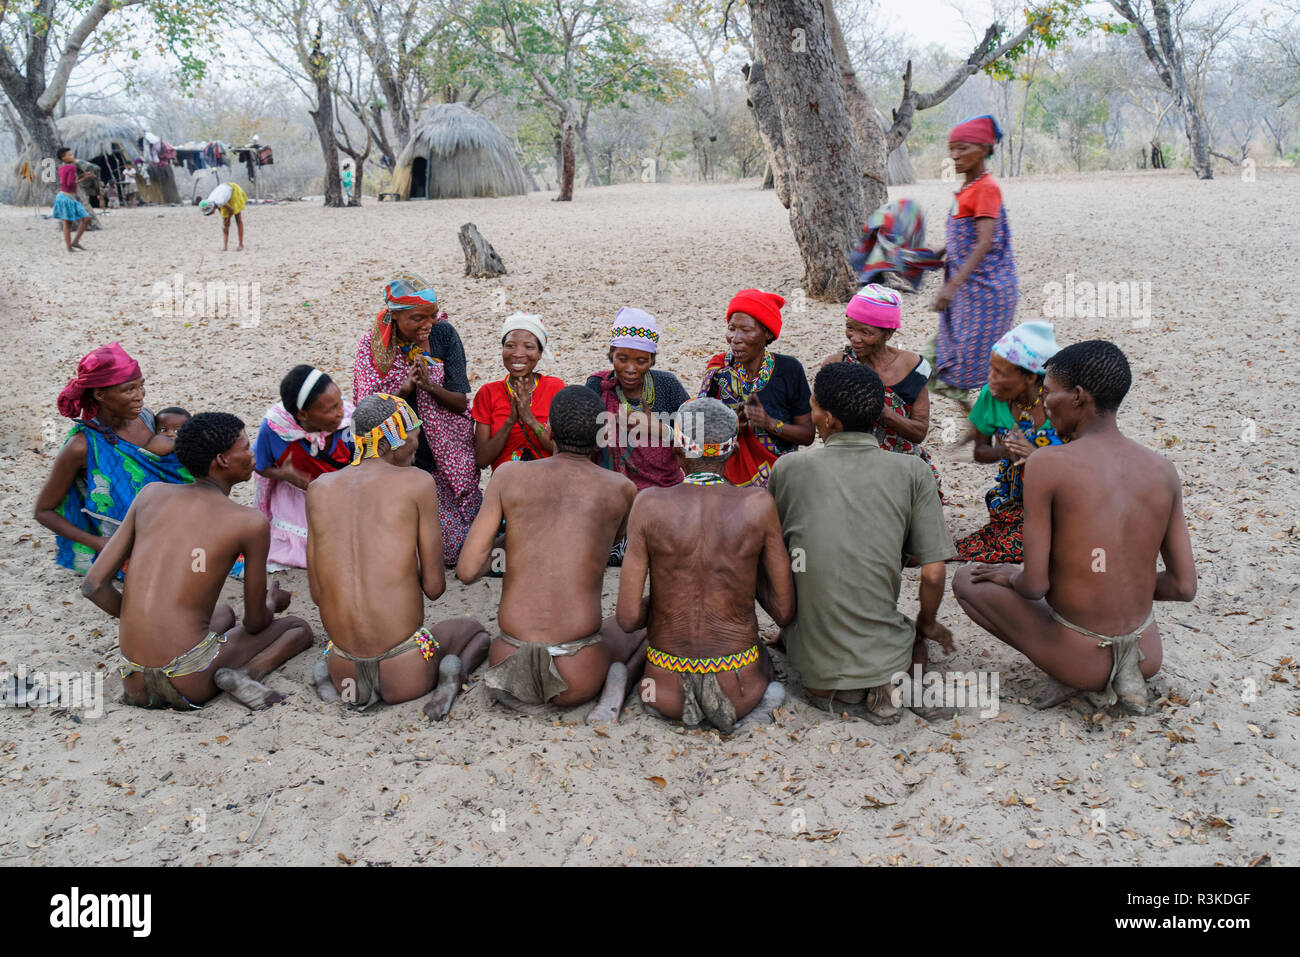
(481, 260)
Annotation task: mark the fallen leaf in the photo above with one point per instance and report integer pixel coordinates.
(658, 782)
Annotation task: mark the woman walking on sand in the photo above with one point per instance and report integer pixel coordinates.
(977, 303)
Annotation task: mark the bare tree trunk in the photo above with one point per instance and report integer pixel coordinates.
(481, 260)
(872, 149)
(828, 202)
(592, 171)
(769, 131)
(568, 160)
(323, 118)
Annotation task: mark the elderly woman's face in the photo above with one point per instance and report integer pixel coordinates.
(124, 401)
(323, 413)
(747, 338)
(865, 339)
(631, 366)
(520, 352)
(1008, 382)
(414, 325)
(966, 156)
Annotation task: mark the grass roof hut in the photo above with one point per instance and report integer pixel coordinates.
(104, 140)
(456, 153)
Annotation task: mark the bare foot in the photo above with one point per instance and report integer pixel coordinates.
(78, 246)
(451, 672)
(320, 677)
(762, 713)
(1053, 693)
(251, 694)
(239, 248)
(611, 697)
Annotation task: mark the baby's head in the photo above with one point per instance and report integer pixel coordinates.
(170, 419)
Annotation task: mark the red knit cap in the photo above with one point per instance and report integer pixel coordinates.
(763, 306)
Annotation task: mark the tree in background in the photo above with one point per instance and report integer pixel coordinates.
(42, 42)
(1158, 28)
(568, 56)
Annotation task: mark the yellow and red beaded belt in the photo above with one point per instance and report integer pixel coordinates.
(701, 666)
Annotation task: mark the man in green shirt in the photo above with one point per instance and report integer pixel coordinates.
(851, 514)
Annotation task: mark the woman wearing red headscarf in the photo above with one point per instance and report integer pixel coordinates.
(103, 463)
(768, 392)
(977, 303)
(414, 352)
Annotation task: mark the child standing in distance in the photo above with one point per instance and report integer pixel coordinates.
(66, 205)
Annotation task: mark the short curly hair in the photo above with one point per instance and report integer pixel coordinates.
(852, 393)
(575, 419)
(204, 437)
(1097, 366)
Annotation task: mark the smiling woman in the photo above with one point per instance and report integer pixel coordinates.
(638, 399)
(510, 416)
(412, 351)
(103, 463)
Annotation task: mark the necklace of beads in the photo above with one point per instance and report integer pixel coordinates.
(705, 478)
(647, 399)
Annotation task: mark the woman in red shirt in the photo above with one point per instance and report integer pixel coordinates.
(510, 415)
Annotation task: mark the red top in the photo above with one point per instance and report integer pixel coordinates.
(983, 198)
(492, 408)
(68, 177)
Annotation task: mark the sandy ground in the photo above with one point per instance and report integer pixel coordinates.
(1211, 777)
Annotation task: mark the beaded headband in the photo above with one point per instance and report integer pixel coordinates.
(395, 429)
(638, 332)
(705, 451)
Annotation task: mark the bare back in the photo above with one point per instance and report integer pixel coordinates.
(371, 553)
(1111, 505)
(186, 540)
(704, 546)
(562, 515)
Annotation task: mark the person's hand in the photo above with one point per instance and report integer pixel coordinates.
(296, 478)
(640, 424)
(1020, 446)
(944, 299)
(101, 542)
(522, 398)
(420, 375)
(277, 598)
(936, 632)
(756, 416)
(997, 574)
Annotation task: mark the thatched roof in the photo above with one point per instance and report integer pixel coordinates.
(88, 135)
(466, 154)
(91, 135)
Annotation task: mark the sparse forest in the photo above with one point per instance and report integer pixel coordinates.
(597, 92)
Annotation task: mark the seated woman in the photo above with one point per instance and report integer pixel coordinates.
(510, 416)
(639, 399)
(303, 436)
(414, 352)
(103, 463)
(768, 392)
(1010, 422)
(874, 315)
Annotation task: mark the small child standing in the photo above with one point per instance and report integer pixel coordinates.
(66, 205)
(167, 423)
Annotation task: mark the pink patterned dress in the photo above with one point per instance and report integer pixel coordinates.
(450, 436)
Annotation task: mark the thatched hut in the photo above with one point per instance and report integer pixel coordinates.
(456, 153)
(103, 140)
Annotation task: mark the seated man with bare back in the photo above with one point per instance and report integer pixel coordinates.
(178, 646)
(563, 514)
(710, 549)
(374, 552)
(1098, 510)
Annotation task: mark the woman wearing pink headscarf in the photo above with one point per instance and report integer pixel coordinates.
(871, 319)
(103, 463)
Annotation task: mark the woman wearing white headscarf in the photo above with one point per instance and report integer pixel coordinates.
(510, 414)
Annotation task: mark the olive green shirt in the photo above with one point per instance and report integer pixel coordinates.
(850, 511)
